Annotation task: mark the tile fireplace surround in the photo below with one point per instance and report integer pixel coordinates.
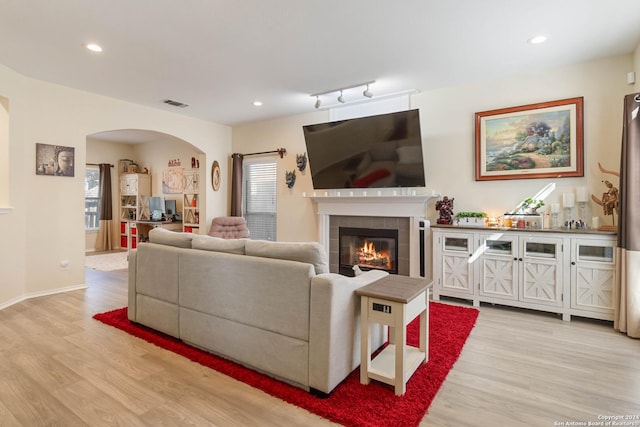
(404, 212)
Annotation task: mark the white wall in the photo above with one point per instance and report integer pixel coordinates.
(447, 120)
(4, 151)
(296, 220)
(46, 224)
(156, 155)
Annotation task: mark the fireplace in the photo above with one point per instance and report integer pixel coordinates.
(368, 248)
(386, 210)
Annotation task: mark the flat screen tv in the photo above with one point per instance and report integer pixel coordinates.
(368, 152)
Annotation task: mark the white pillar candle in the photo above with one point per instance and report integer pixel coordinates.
(568, 200)
(555, 207)
(595, 222)
(582, 194)
(304, 194)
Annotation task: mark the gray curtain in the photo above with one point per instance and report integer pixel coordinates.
(106, 235)
(627, 301)
(236, 185)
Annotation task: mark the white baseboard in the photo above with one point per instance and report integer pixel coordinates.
(41, 294)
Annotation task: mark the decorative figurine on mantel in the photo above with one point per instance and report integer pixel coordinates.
(610, 200)
(445, 206)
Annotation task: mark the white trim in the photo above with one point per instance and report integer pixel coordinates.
(5, 209)
(41, 294)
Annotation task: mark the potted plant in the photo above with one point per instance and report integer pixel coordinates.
(529, 206)
(471, 219)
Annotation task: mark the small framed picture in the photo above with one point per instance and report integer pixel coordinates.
(56, 160)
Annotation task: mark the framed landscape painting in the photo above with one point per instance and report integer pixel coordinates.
(542, 140)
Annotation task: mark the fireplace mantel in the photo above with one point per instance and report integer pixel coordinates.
(412, 206)
(401, 206)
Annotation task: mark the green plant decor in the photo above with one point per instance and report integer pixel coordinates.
(471, 215)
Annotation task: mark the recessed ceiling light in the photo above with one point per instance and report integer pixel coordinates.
(537, 40)
(93, 47)
(257, 103)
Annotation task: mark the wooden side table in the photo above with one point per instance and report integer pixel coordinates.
(394, 301)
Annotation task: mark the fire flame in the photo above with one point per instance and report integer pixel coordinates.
(369, 256)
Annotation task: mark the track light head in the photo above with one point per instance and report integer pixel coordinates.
(341, 98)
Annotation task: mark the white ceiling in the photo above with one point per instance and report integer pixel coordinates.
(219, 56)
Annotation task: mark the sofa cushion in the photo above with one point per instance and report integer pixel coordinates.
(170, 238)
(309, 252)
(217, 244)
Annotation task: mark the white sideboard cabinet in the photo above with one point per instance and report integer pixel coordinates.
(562, 271)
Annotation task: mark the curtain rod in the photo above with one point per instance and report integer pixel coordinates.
(280, 151)
(96, 164)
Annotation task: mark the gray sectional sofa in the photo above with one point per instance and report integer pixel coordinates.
(271, 306)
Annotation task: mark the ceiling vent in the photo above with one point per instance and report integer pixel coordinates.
(175, 103)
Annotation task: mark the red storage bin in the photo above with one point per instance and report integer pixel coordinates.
(134, 243)
(123, 241)
(123, 227)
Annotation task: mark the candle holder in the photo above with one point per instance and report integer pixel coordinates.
(568, 217)
(582, 208)
(555, 220)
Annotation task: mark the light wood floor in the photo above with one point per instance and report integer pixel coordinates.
(518, 368)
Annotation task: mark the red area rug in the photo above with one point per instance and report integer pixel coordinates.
(351, 403)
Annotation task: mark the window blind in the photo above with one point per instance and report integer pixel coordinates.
(259, 198)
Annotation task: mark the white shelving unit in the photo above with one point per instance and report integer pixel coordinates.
(135, 189)
(191, 201)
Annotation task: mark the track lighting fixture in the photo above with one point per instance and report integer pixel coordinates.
(366, 93)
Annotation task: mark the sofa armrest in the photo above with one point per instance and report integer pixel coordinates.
(131, 310)
(334, 328)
